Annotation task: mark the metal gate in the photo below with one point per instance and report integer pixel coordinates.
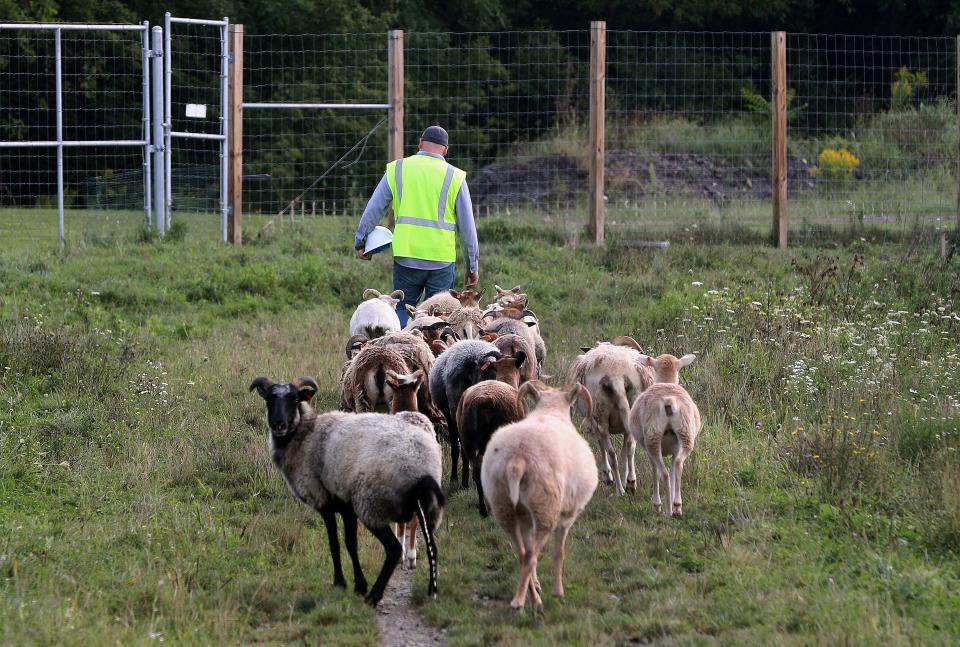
(191, 136)
(34, 130)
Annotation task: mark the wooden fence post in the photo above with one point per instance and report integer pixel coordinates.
(598, 82)
(778, 101)
(395, 99)
(235, 144)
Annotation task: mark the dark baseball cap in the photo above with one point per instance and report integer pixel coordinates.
(435, 134)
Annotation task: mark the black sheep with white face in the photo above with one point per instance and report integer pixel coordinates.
(464, 364)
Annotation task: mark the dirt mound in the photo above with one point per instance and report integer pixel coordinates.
(631, 176)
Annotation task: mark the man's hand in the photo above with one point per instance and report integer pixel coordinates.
(362, 256)
(471, 279)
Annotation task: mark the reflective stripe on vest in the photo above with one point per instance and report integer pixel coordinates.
(425, 190)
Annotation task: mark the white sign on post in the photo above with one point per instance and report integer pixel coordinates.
(196, 110)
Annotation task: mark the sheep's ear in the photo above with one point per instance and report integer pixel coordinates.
(488, 360)
(516, 289)
(370, 292)
(499, 289)
(646, 360)
(686, 360)
(531, 389)
(419, 376)
(454, 294)
(412, 311)
(393, 379)
(397, 295)
(530, 324)
(416, 332)
(521, 357)
(585, 348)
(306, 387)
(262, 385)
(579, 394)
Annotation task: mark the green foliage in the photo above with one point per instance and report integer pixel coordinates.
(760, 106)
(906, 87)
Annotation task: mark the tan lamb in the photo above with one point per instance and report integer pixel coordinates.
(666, 421)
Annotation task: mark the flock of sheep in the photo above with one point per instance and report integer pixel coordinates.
(471, 376)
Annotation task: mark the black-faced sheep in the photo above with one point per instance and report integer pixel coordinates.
(377, 468)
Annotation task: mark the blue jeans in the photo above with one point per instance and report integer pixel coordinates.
(416, 282)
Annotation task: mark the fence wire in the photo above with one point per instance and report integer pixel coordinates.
(102, 90)
(872, 130)
(290, 155)
(687, 128)
(514, 104)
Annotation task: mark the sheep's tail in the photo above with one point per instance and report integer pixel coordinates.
(426, 500)
(669, 405)
(374, 332)
(515, 469)
(380, 381)
(614, 387)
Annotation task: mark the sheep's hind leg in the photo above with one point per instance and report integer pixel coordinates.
(628, 454)
(675, 475)
(607, 445)
(330, 521)
(659, 475)
(393, 552)
(350, 539)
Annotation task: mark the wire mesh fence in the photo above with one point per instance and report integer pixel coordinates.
(872, 125)
(102, 100)
(515, 105)
(872, 130)
(687, 127)
(307, 162)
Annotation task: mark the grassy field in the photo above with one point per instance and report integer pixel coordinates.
(822, 504)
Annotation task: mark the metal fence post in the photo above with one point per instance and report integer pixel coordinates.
(778, 103)
(147, 153)
(167, 120)
(224, 123)
(395, 99)
(159, 170)
(598, 78)
(235, 226)
(59, 101)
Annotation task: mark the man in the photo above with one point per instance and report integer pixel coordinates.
(431, 203)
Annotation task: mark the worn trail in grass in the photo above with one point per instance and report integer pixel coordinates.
(137, 500)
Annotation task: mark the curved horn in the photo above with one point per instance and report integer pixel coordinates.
(375, 293)
(397, 294)
(628, 341)
(305, 383)
(261, 384)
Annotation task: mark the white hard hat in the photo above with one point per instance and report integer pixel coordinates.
(378, 240)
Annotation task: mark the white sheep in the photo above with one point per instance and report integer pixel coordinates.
(376, 315)
(667, 421)
(538, 475)
(381, 469)
(615, 375)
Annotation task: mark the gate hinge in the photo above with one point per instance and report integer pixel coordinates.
(230, 57)
(154, 53)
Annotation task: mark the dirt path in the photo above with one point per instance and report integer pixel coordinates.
(398, 620)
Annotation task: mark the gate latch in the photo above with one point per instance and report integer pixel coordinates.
(154, 53)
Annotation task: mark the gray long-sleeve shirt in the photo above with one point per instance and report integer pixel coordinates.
(380, 201)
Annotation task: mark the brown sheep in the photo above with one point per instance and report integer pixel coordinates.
(484, 408)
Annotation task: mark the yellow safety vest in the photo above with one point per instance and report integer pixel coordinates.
(425, 193)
